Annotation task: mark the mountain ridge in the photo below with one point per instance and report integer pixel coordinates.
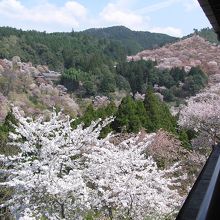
(74, 49)
(132, 40)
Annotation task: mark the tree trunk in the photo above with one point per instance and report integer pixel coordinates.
(62, 211)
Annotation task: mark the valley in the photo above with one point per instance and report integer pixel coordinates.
(102, 124)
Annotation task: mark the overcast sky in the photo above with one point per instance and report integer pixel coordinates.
(173, 17)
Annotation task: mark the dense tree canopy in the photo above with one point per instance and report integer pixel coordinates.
(94, 62)
(133, 115)
(207, 33)
(133, 41)
(176, 83)
(59, 50)
(158, 113)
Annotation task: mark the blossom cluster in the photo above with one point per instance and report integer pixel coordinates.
(64, 173)
(202, 113)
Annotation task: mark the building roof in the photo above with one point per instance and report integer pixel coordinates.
(212, 11)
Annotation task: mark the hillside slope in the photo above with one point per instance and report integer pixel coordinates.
(187, 53)
(133, 41)
(59, 50)
(31, 88)
(86, 50)
(206, 33)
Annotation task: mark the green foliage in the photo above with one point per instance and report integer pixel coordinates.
(88, 57)
(72, 77)
(195, 81)
(179, 84)
(207, 33)
(122, 83)
(4, 85)
(132, 115)
(133, 41)
(59, 50)
(166, 79)
(136, 74)
(127, 117)
(168, 95)
(184, 138)
(89, 83)
(158, 113)
(89, 115)
(5, 128)
(92, 115)
(178, 74)
(107, 84)
(10, 120)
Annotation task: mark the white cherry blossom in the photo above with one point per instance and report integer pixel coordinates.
(63, 173)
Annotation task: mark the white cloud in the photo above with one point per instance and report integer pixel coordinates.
(176, 32)
(71, 14)
(10, 7)
(75, 9)
(46, 15)
(118, 14)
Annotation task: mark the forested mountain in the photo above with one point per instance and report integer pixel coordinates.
(90, 65)
(85, 50)
(133, 41)
(59, 50)
(85, 59)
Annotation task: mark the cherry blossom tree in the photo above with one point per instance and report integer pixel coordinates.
(202, 113)
(129, 184)
(64, 173)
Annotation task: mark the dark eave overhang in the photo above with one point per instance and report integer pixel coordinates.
(212, 11)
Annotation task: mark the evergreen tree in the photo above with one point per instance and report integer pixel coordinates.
(195, 81)
(89, 115)
(158, 113)
(184, 138)
(142, 114)
(92, 114)
(127, 119)
(5, 128)
(178, 74)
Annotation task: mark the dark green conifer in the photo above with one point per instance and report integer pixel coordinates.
(158, 113)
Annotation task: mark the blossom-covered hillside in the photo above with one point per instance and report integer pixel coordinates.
(32, 89)
(187, 53)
